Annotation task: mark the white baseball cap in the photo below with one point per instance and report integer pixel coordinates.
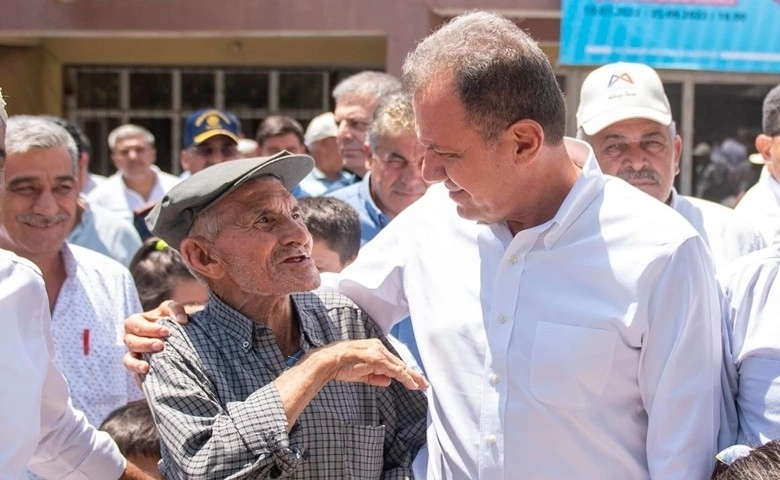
(621, 91)
(320, 127)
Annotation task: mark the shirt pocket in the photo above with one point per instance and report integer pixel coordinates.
(570, 365)
(363, 451)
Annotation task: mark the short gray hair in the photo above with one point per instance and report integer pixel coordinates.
(127, 131)
(393, 116)
(368, 84)
(771, 112)
(499, 73)
(26, 132)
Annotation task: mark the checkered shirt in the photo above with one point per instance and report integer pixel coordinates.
(220, 415)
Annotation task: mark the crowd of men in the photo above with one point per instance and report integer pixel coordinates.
(573, 314)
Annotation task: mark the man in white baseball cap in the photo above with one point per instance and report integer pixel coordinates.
(625, 116)
(329, 173)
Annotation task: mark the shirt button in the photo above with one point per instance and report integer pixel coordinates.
(512, 259)
(494, 379)
(501, 319)
(490, 439)
(245, 344)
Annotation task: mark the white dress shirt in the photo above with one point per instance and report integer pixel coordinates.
(752, 287)
(587, 347)
(761, 206)
(40, 428)
(727, 234)
(88, 329)
(115, 195)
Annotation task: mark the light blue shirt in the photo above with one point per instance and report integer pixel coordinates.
(358, 195)
(106, 232)
(317, 183)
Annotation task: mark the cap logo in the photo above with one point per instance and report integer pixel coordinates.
(213, 119)
(623, 77)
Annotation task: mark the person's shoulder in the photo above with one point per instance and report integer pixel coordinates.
(641, 209)
(764, 261)
(728, 217)
(96, 262)
(108, 221)
(24, 270)
(107, 190)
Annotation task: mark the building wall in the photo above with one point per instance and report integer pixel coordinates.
(45, 35)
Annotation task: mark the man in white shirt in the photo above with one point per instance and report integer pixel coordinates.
(564, 336)
(89, 294)
(753, 293)
(625, 116)
(761, 203)
(41, 429)
(138, 183)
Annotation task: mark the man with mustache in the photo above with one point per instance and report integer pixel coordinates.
(265, 382)
(625, 116)
(89, 294)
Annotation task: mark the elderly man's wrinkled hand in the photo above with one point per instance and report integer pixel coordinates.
(368, 361)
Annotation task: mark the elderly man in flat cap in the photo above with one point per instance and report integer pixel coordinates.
(264, 382)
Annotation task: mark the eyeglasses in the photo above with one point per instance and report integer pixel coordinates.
(226, 150)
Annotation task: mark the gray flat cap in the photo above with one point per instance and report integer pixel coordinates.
(172, 218)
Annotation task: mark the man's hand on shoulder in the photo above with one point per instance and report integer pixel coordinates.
(143, 334)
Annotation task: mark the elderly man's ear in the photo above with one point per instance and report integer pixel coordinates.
(198, 254)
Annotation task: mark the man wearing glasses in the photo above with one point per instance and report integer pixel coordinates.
(210, 137)
(395, 180)
(761, 204)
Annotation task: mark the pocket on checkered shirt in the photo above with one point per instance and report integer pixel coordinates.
(364, 447)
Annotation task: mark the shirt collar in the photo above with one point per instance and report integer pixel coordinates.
(240, 327)
(86, 218)
(586, 189)
(68, 260)
(230, 320)
(674, 199)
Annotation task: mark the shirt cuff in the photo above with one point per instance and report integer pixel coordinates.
(262, 424)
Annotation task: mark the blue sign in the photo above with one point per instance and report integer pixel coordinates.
(722, 35)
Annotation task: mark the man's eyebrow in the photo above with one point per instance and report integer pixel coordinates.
(19, 180)
(654, 133)
(614, 136)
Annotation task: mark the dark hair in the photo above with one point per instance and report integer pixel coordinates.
(155, 268)
(335, 222)
(771, 112)
(497, 70)
(762, 463)
(277, 125)
(132, 428)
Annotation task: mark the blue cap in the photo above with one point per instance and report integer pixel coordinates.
(207, 123)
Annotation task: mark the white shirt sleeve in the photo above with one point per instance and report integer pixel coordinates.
(41, 429)
(680, 366)
(375, 280)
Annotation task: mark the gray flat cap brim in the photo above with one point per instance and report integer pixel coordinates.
(172, 218)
